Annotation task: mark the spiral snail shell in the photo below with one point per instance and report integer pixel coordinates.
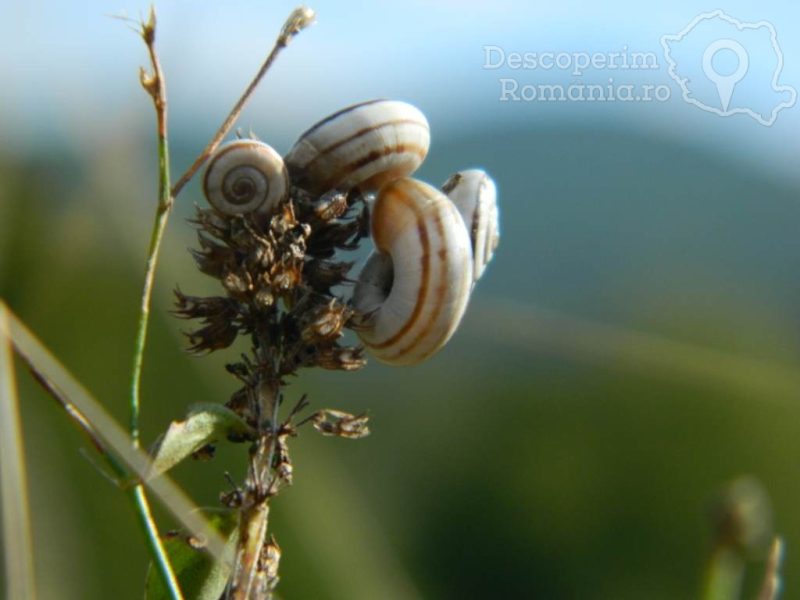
(414, 289)
(475, 195)
(364, 146)
(245, 176)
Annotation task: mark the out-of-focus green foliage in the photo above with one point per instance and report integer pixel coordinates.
(504, 467)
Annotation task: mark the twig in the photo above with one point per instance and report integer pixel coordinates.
(300, 18)
(17, 541)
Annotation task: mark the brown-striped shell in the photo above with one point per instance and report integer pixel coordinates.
(415, 288)
(364, 146)
(475, 195)
(245, 176)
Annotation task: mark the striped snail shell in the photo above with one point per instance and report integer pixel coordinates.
(475, 195)
(364, 146)
(414, 289)
(245, 176)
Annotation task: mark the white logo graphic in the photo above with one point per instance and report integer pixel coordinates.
(727, 67)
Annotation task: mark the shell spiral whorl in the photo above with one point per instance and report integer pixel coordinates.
(415, 287)
(245, 176)
(364, 146)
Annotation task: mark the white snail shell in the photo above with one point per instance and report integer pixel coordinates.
(475, 195)
(245, 176)
(415, 288)
(364, 146)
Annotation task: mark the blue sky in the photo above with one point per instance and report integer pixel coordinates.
(70, 70)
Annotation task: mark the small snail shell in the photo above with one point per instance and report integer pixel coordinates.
(364, 145)
(414, 289)
(475, 195)
(244, 176)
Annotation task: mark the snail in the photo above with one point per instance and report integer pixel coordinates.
(245, 176)
(475, 195)
(414, 289)
(364, 146)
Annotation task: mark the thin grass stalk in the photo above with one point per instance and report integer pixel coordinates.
(17, 539)
(113, 436)
(155, 85)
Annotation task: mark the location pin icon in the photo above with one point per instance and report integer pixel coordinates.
(725, 83)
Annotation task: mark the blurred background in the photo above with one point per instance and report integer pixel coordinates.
(632, 348)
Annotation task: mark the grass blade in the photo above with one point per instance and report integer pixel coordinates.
(17, 540)
(113, 436)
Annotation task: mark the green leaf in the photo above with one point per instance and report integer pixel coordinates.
(205, 424)
(199, 576)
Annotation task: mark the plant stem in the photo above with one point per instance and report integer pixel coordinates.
(156, 235)
(16, 523)
(299, 19)
(155, 85)
(157, 552)
(251, 575)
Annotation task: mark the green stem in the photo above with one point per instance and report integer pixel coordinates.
(137, 493)
(156, 235)
(154, 84)
(157, 552)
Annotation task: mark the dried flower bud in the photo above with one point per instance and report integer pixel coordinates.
(340, 359)
(341, 424)
(269, 561)
(326, 322)
(300, 18)
(264, 298)
(282, 463)
(286, 277)
(237, 285)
